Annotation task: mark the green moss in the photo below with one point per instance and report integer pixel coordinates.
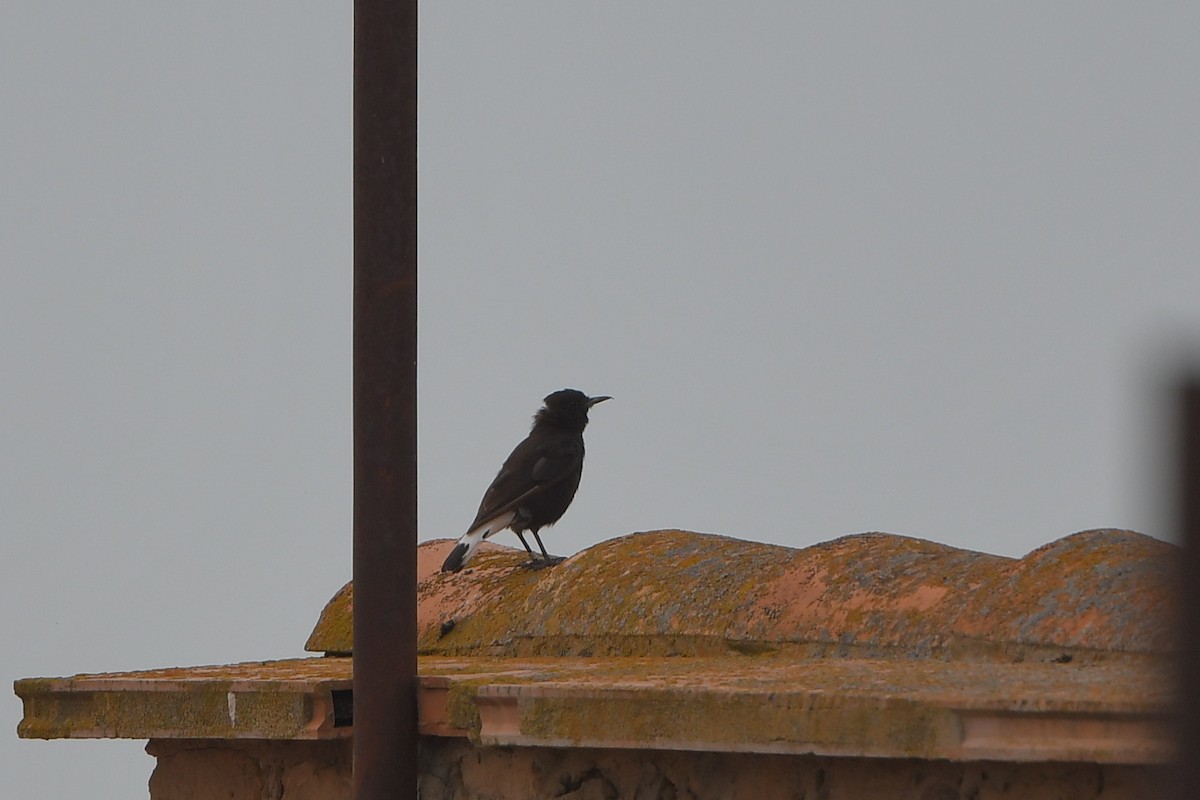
(334, 631)
(738, 720)
(575, 609)
(267, 712)
(677, 593)
(461, 707)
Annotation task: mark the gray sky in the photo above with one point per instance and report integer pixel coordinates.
(844, 267)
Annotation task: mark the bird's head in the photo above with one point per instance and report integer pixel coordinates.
(567, 407)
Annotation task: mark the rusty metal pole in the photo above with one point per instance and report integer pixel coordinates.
(385, 399)
(1188, 503)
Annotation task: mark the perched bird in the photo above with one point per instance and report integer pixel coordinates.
(537, 482)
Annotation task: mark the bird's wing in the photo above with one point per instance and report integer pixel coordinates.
(554, 463)
(535, 464)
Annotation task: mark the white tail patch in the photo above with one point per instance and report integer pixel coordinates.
(475, 536)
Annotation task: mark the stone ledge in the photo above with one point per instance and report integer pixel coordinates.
(1109, 713)
(255, 700)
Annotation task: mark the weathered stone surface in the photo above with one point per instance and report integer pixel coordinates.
(958, 675)
(203, 769)
(200, 773)
(455, 769)
(1104, 713)
(1098, 590)
(1093, 595)
(290, 699)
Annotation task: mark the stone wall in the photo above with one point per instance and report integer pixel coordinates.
(232, 769)
(455, 769)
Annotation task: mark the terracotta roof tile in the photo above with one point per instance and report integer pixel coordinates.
(1091, 595)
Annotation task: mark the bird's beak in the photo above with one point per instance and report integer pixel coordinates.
(593, 400)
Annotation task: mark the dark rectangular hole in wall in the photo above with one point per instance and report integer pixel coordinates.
(343, 708)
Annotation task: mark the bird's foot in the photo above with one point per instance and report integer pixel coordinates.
(542, 563)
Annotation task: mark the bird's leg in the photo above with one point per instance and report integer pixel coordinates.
(534, 562)
(521, 536)
(547, 560)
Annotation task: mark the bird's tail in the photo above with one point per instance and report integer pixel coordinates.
(465, 548)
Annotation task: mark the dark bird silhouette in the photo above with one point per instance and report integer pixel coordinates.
(537, 482)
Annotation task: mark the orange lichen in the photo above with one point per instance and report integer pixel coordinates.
(680, 593)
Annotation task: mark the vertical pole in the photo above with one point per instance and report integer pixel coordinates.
(1188, 503)
(385, 399)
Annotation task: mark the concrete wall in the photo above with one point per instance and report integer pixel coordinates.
(455, 769)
